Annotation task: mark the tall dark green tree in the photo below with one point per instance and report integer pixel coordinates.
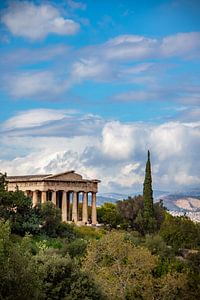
(147, 190)
(148, 218)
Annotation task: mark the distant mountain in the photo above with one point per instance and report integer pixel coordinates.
(180, 201)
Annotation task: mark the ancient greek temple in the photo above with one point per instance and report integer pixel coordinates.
(66, 190)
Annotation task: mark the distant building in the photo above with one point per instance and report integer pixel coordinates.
(62, 189)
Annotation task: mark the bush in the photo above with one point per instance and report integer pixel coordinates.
(88, 232)
(180, 232)
(76, 248)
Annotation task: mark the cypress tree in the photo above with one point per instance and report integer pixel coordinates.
(147, 189)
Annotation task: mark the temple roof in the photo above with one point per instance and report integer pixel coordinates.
(64, 176)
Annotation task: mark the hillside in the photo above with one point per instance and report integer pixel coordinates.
(177, 203)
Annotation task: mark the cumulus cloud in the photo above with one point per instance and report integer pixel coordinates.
(112, 151)
(28, 20)
(117, 140)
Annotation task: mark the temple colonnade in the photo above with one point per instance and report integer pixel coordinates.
(67, 191)
(69, 203)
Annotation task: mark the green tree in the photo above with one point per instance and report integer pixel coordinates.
(146, 219)
(109, 214)
(180, 232)
(129, 209)
(50, 218)
(18, 273)
(17, 208)
(125, 271)
(117, 265)
(147, 191)
(62, 279)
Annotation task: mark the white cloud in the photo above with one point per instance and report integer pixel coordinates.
(51, 122)
(117, 140)
(181, 44)
(35, 117)
(33, 84)
(27, 56)
(114, 152)
(35, 22)
(130, 47)
(89, 69)
(135, 48)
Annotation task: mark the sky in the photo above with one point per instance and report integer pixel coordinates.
(92, 85)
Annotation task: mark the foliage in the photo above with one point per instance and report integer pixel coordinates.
(126, 272)
(88, 232)
(180, 232)
(148, 212)
(62, 279)
(193, 261)
(76, 248)
(3, 181)
(117, 265)
(147, 190)
(16, 268)
(50, 218)
(157, 246)
(17, 208)
(108, 214)
(129, 209)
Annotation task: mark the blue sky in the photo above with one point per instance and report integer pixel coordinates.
(91, 85)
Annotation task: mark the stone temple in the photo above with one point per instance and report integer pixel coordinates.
(66, 190)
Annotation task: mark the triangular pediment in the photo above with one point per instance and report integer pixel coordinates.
(70, 175)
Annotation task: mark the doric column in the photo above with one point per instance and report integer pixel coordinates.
(68, 207)
(94, 209)
(44, 196)
(64, 206)
(26, 193)
(53, 199)
(85, 208)
(74, 208)
(35, 198)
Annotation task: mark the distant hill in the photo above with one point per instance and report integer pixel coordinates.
(180, 201)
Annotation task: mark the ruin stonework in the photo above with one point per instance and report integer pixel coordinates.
(66, 190)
